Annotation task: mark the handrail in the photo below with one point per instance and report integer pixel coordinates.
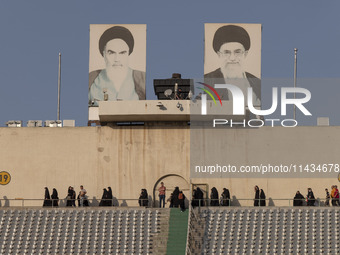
(187, 249)
(269, 202)
(123, 202)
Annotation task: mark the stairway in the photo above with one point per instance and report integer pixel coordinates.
(178, 226)
(160, 238)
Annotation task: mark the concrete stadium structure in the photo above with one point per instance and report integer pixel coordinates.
(129, 158)
(131, 155)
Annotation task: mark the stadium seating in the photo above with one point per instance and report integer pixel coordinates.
(81, 231)
(264, 231)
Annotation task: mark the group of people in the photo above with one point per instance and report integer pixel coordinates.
(53, 200)
(310, 198)
(224, 200)
(260, 197)
(299, 198)
(176, 198)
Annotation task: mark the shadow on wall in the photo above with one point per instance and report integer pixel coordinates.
(234, 201)
(95, 202)
(62, 202)
(150, 201)
(271, 202)
(115, 201)
(4, 202)
(124, 203)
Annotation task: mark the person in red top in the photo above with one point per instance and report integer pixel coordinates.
(336, 195)
(161, 194)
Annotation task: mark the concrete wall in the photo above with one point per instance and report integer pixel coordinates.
(125, 158)
(129, 158)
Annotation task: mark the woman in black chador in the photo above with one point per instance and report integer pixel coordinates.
(143, 198)
(181, 200)
(69, 196)
(47, 198)
(257, 196)
(298, 199)
(214, 197)
(310, 198)
(55, 198)
(109, 197)
(197, 198)
(104, 201)
(175, 201)
(225, 197)
(262, 198)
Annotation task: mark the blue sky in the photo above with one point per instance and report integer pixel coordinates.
(34, 32)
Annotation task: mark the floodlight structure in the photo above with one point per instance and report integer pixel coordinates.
(14, 123)
(174, 88)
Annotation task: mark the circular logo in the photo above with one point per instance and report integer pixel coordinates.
(5, 178)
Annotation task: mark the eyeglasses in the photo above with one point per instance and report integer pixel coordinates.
(227, 53)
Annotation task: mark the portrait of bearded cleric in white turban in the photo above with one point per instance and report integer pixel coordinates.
(232, 43)
(117, 81)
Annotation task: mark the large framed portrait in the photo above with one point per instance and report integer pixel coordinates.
(117, 63)
(232, 54)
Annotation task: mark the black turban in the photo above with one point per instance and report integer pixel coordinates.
(231, 33)
(116, 32)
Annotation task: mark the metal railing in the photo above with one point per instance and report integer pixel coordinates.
(261, 202)
(94, 202)
(52, 203)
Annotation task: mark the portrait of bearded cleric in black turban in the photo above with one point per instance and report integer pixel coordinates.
(232, 56)
(117, 63)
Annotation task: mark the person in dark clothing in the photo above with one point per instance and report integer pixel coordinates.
(143, 198)
(55, 198)
(73, 197)
(310, 198)
(194, 201)
(298, 199)
(197, 198)
(200, 197)
(328, 196)
(225, 197)
(170, 199)
(262, 198)
(104, 201)
(175, 193)
(257, 196)
(181, 199)
(109, 197)
(47, 198)
(69, 196)
(214, 197)
(78, 198)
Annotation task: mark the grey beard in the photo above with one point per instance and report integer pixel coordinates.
(235, 72)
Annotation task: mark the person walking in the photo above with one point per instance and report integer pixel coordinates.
(328, 196)
(310, 197)
(336, 196)
(55, 198)
(69, 196)
(214, 197)
(257, 196)
(82, 196)
(181, 199)
(262, 198)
